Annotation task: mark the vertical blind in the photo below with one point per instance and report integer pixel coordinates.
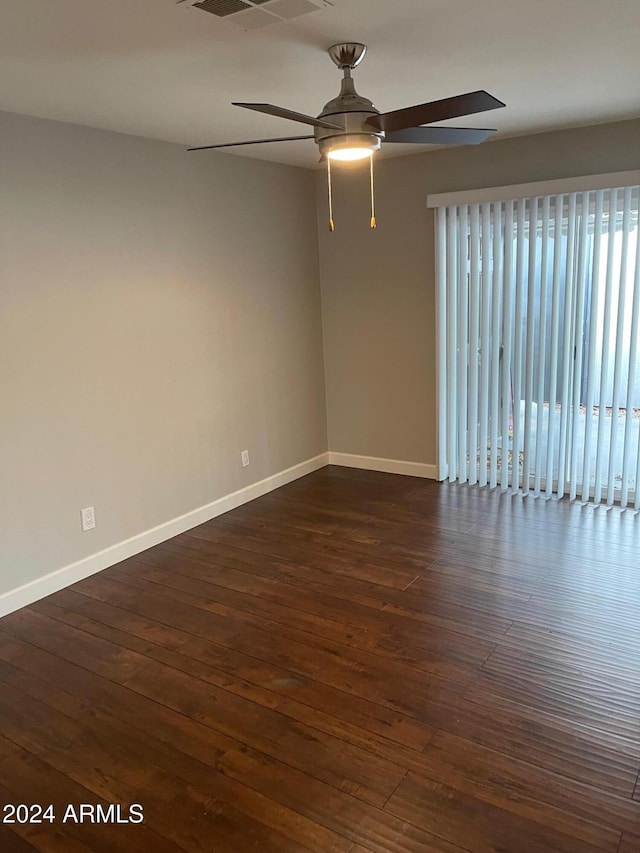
(538, 327)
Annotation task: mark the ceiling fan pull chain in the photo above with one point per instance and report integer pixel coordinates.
(373, 199)
(332, 227)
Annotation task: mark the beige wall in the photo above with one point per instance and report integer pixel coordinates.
(378, 286)
(159, 312)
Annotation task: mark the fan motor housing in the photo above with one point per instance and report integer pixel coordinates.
(350, 111)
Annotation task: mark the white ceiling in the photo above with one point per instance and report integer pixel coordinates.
(157, 69)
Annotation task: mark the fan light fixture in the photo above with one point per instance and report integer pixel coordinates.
(349, 146)
(349, 154)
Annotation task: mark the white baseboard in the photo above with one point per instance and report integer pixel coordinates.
(388, 466)
(41, 587)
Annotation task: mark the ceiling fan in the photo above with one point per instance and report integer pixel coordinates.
(351, 128)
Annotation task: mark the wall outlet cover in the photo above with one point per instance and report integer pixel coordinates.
(88, 516)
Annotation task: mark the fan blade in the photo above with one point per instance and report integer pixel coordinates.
(440, 135)
(270, 110)
(460, 105)
(250, 142)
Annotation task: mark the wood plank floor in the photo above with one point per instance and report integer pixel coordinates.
(355, 663)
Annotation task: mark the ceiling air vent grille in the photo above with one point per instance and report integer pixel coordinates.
(222, 8)
(251, 14)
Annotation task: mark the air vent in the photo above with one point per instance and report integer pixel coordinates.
(251, 14)
(222, 8)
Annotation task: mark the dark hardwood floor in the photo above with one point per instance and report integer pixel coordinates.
(355, 663)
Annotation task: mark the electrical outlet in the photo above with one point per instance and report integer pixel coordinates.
(245, 458)
(88, 515)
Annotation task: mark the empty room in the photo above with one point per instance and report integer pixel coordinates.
(319, 426)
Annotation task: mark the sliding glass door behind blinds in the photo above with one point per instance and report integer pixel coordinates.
(539, 311)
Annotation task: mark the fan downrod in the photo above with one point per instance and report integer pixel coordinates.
(347, 54)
